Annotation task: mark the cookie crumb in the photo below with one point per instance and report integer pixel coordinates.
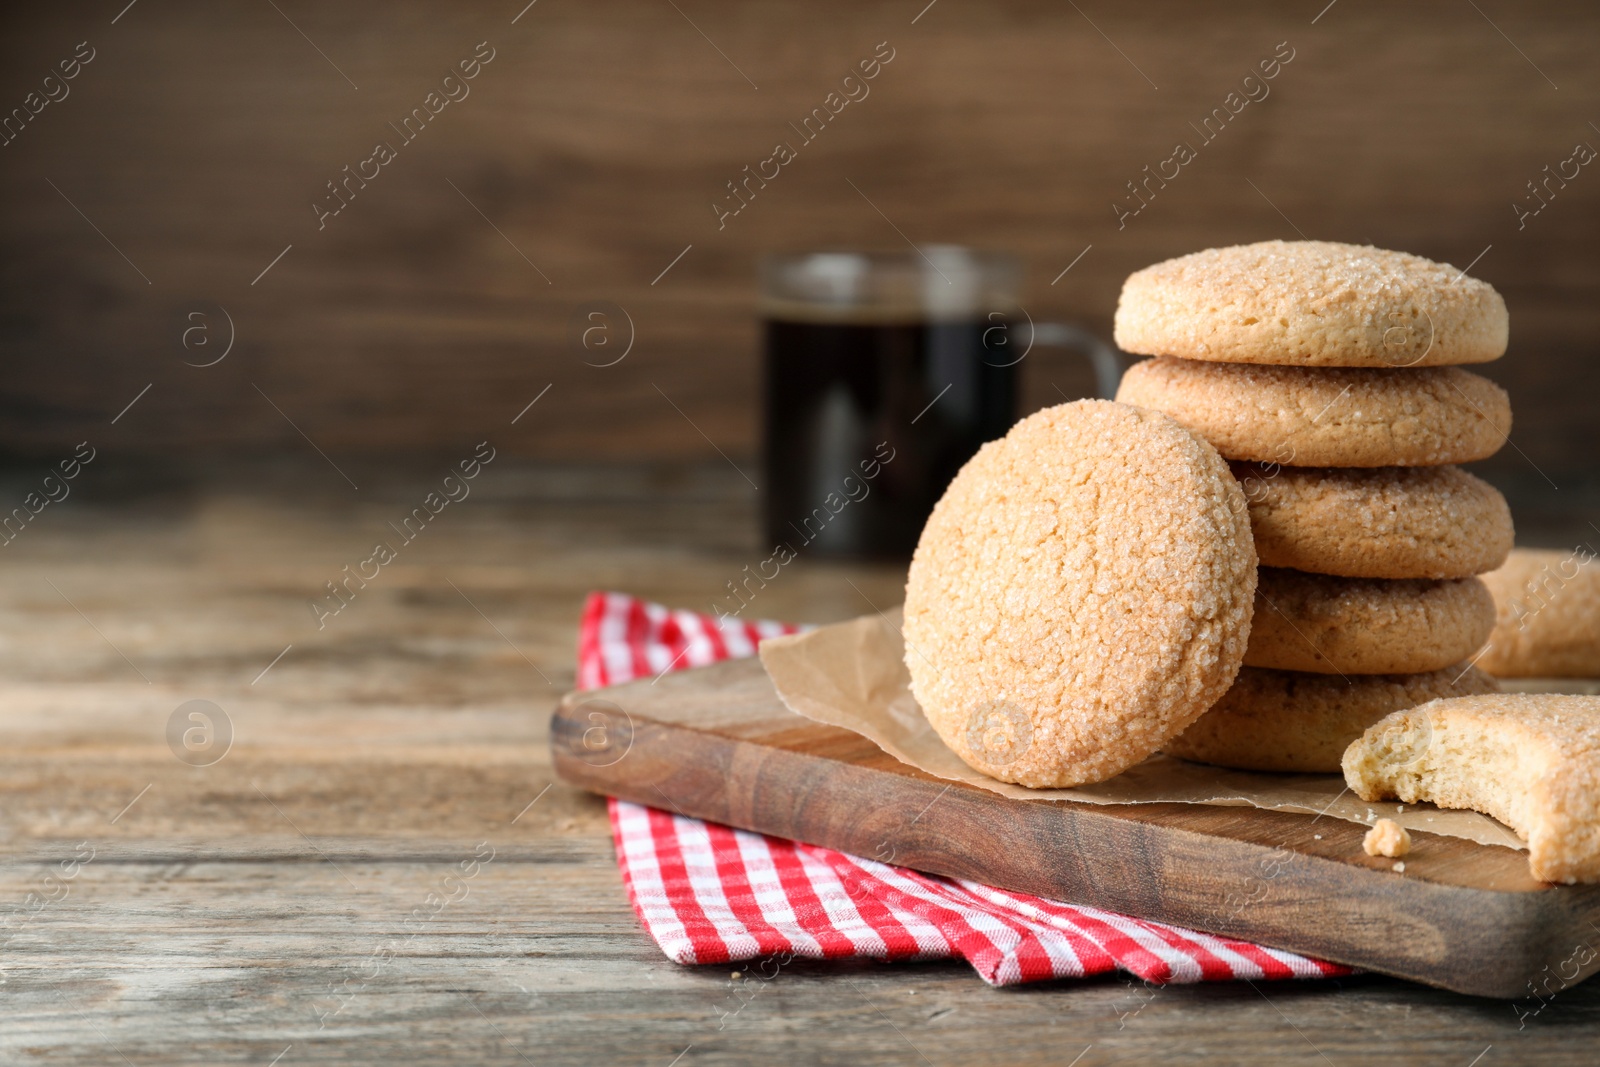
(1400, 866)
(737, 975)
(1387, 838)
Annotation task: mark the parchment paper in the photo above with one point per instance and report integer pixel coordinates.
(853, 675)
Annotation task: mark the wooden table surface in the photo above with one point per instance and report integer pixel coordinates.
(288, 902)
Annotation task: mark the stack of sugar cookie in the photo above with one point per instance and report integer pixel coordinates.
(1326, 373)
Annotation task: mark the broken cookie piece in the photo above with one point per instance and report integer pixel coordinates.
(1387, 838)
(1530, 760)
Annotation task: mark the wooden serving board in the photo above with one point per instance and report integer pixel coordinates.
(716, 743)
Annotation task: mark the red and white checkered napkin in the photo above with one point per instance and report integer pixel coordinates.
(710, 894)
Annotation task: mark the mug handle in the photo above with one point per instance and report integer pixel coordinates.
(1106, 361)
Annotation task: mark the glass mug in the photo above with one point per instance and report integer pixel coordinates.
(885, 372)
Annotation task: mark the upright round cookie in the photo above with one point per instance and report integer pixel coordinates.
(1294, 721)
(1328, 416)
(1384, 522)
(1081, 593)
(1547, 615)
(1313, 622)
(1311, 304)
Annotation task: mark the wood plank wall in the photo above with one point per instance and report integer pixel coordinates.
(188, 152)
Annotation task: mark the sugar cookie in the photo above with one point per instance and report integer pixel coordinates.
(1295, 721)
(1547, 616)
(1531, 761)
(1376, 522)
(1314, 622)
(1328, 416)
(1311, 304)
(1081, 593)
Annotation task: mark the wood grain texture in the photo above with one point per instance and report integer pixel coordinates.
(597, 140)
(718, 744)
(230, 905)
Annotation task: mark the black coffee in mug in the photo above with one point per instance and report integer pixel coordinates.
(884, 374)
